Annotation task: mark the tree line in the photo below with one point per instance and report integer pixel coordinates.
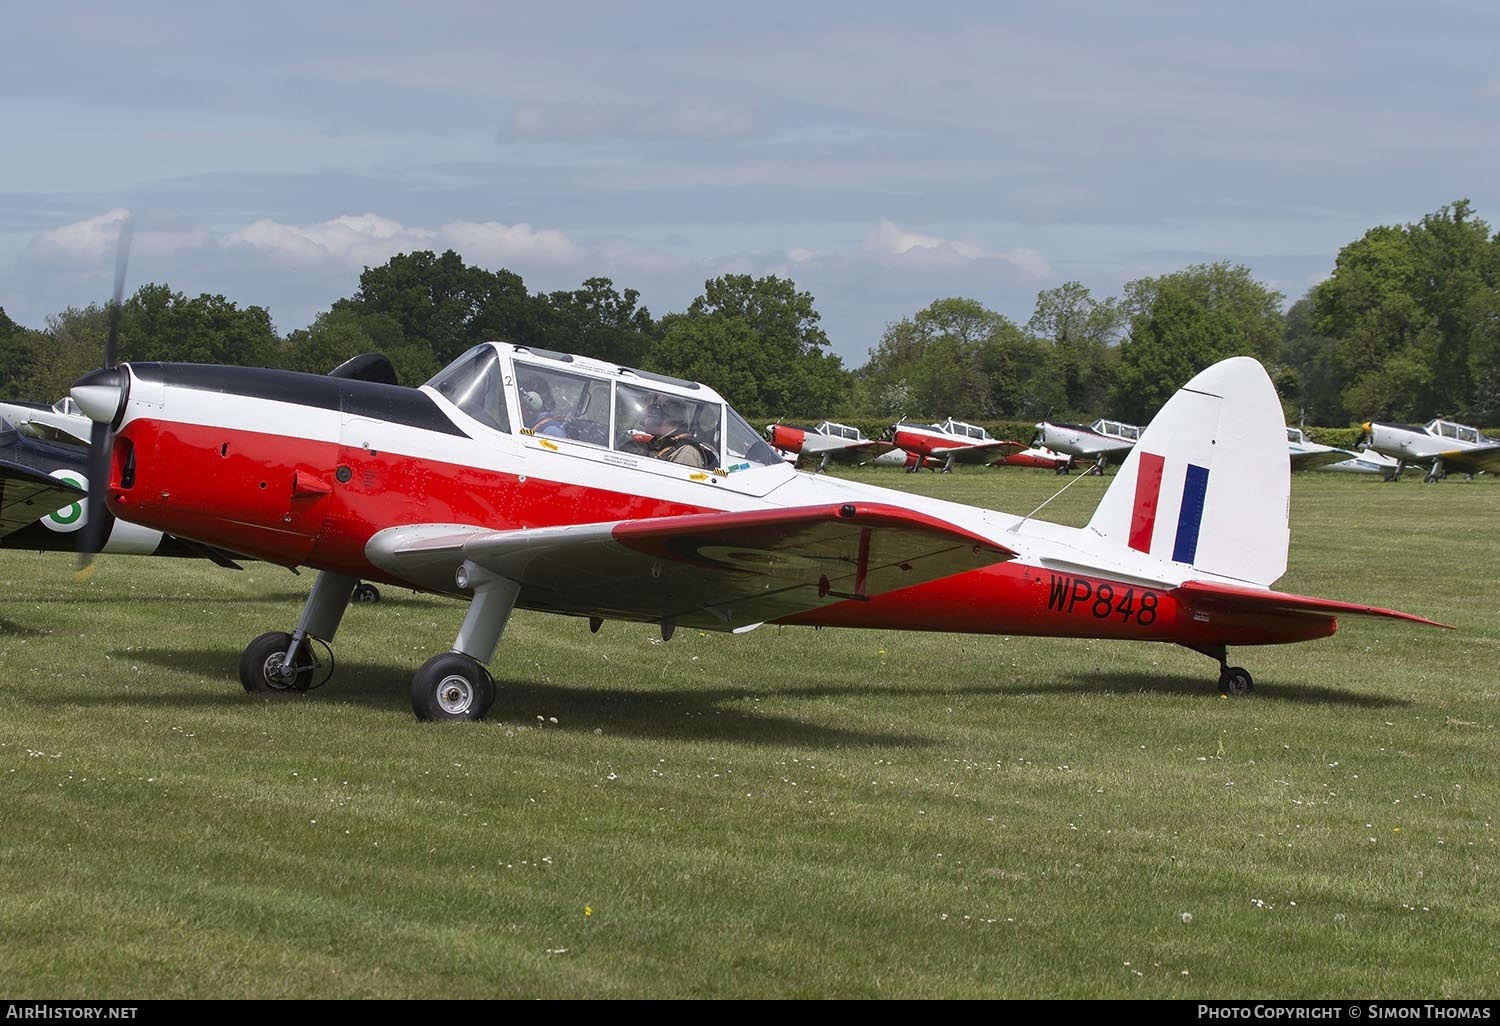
(1407, 326)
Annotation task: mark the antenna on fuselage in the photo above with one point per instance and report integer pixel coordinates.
(1017, 526)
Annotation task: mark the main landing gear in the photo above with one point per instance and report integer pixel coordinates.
(451, 686)
(1233, 680)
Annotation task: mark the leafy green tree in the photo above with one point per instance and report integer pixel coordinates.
(1409, 309)
(954, 358)
(757, 341)
(1170, 341)
(344, 332)
(1082, 334)
(1311, 357)
(159, 324)
(1253, 323)
(24, 356)
(598, 321)
(1181, 323)
(447, 306)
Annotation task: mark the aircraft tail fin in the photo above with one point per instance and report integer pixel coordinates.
(1209, 482)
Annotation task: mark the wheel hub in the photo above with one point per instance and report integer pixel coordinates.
(455, 694)
(277, 672)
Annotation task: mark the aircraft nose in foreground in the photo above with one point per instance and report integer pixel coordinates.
(100, 394)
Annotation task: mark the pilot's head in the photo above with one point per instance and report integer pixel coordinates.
(665, 412)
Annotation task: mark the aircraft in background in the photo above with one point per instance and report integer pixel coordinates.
(442, 489)
(1441, 446)
(947, 444)
(63, 421)
(1039, 457)
(1100, 442)
(1306, 454)
(816, 447)
(1366, 461)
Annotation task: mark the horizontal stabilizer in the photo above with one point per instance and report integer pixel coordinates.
(1212, 596)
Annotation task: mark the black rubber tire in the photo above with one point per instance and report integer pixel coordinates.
(365, 592)
(1236, 680)
(263, 656)
(452, 687)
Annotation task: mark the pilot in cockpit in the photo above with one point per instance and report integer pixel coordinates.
(663, 430)
(537, 411)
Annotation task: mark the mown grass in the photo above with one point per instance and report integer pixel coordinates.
(788, 813)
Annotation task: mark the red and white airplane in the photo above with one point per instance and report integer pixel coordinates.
(949, 443)
(647, 498)
(816, 447)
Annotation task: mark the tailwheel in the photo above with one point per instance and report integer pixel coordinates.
(452, 687)
(264, 667)
(1235, 680)
(365, 592)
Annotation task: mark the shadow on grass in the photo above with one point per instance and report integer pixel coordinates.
(1207, 686)
(21, 630)
(389, 596)
(691, 713)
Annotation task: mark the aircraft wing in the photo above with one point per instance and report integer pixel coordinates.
(983, 452)
(1228, 598)
(1473, 461)
(1313, 459)
(820, 450)
(27, 495)
(715, 571)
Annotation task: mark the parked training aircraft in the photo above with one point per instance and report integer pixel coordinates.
(63, 421)
(949, 443)
(1306, 454)
(1366, 461)
(1440, 446)
(1101, 441)
(816, 447)
(648, 498)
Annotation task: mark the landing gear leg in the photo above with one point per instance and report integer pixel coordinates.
(279, 661)
(1233, 680)
(455, 685)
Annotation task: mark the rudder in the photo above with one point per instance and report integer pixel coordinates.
(1209, 482)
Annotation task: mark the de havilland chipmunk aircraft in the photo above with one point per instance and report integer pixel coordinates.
(1101, 441)
(816, 447)
(519, 477)
(1441, 446)
(949, 443)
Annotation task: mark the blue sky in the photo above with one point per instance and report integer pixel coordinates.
(880, 155)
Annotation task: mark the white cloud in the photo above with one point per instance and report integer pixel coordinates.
(490, 242)
(85, 242)
(362, 240)
(887, 238)
(890, 240)
(368, 240)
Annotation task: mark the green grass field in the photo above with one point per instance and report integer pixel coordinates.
(786, 813)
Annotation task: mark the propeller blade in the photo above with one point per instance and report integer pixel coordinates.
(96, 528)
(122, 258)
